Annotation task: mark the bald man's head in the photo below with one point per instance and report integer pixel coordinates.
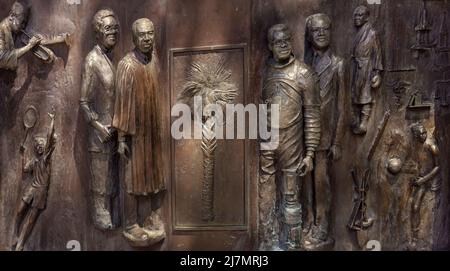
(143, 35)
(361, 16)
(18, 16)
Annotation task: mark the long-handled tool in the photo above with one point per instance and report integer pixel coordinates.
(358, 220)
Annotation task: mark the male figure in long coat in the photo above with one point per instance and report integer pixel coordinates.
(330, 69)
(136, 120)
(367, 65)
(97, 103)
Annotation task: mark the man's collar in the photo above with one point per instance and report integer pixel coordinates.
(104, 51)
(322, 62)
(275, 64)
(364, 26)
(327, 53)
(143, 58)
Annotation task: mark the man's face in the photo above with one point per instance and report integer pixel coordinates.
(144, 37)
(360, 17)
(109, 32)
(421, 134)
(319, 33)
(39, 146)
(18, 21)
(281, 46)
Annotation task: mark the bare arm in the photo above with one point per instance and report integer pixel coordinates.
(432, 147)
(51, 140)
(428, 177)
(28, 167)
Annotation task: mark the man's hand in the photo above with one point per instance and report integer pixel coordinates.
(418, 181)
(335, 152)
(306, 166)
(52, 114)
(104, 131)
(123, 150)
(35, 41)
(68, 39)
(376, 81)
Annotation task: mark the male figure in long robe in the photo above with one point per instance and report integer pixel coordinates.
(136, 120)
(367, 65)
(97, 103)
(292, 85)
(330, 69)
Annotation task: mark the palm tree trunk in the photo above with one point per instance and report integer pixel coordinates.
(209, 145)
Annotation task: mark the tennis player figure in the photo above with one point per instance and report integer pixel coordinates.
(34, 197)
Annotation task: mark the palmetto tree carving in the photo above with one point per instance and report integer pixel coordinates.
(209, 79)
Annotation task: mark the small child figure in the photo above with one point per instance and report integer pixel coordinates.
(34, 197)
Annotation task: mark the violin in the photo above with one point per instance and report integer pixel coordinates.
(41, 52)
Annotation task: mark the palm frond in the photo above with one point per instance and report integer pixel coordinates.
(208, 77)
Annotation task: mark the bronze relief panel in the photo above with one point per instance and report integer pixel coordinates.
(209, 184)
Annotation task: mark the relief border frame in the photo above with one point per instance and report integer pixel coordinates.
(247, 176)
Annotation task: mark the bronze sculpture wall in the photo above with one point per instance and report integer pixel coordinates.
(238, 31)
